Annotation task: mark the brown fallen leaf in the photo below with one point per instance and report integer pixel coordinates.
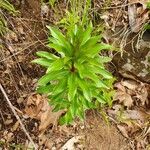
(123, 130)
(124, 98)
(8, 136)
(132, 13)
(136, 114)
(142, 94)
(129, 91)
(130, 84)
(15, 126)
(37, 107)
(8, 121)
(137, 15)
(70, 144)
(44, 140)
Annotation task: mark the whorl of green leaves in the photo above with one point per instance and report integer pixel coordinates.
(75, 79)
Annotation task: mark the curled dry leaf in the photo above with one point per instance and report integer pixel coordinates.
(37, 107)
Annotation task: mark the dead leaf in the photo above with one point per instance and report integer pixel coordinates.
(8, 136)
(132, 13)
(20, 100)
(124, 98)
(129, 91)
(8, 121)
(37, 107)
(142, 94)
(70, 144)
(11, 36)
(123, 130)
(44, 10)
(130, 84)
(136, 115)
(47, 142)
(137, 15)
(15, 126)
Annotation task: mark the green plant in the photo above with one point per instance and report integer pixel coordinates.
(52, 2)
(78, 13)
(5, 5)
(75, 79)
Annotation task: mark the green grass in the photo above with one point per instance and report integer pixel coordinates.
(5, 5)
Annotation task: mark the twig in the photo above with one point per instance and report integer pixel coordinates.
(17, 117)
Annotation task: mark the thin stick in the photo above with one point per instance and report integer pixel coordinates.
(17, 117)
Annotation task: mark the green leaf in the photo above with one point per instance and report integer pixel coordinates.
(80, 69)
(92, 41)
(85, 89)
(97, 48)
(86, 104)
(87, 34)
(56, 99)
(56, 65)
(108, 96)
(101, 71)
(84, 73)
(60, 49)
(74, 107)
(94, 62)
(148, 4)
(60, 104)
(66, 119)
(6, 5)
(104, 59)
(72, 87)
(105, 46)
(104, 73)
(60, 87)
(54, 75)
(45, 89)
(46, 55)
(81, 113)
(57, 108)
(43, 62)
(60, 37)
(102, 84)
(101, 99)
(56, 33)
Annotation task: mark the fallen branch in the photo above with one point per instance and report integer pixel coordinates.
(17, 117)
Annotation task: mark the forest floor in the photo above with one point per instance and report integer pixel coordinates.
(125, 126)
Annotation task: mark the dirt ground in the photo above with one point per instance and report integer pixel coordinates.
(19, 77)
